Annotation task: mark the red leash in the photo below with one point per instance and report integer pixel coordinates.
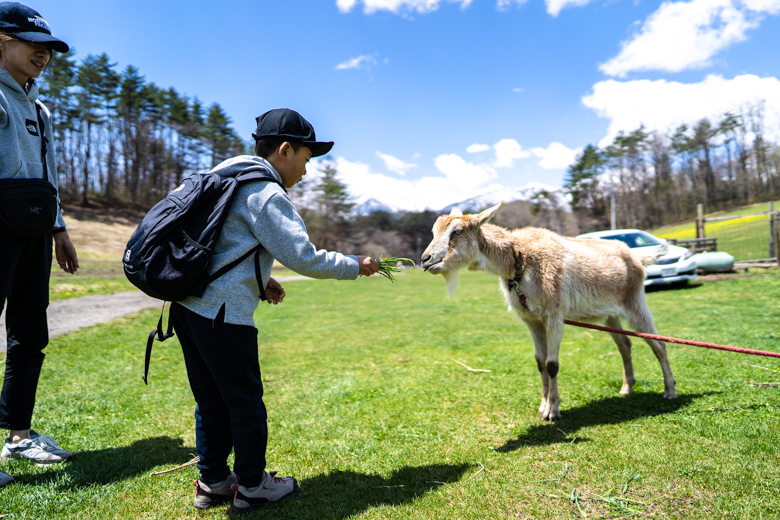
(674, 340)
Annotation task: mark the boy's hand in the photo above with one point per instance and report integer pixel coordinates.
(65, 253)
(368, 265)
(274, 292)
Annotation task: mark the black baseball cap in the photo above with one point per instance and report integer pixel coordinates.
(289, 124)
(27, 24)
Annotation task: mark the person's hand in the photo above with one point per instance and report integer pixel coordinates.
(274, 292)
(368, 265)
(65, 253)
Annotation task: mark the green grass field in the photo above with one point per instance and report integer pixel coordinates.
(369, 409)
(745, 238)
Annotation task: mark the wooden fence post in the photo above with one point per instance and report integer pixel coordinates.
(773, 246)
(699, 221)
(777, 236)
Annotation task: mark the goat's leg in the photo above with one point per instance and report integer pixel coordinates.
(539, 335)
(642, 321)
(624, 347)
(554, 337)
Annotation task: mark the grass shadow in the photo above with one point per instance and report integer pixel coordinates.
(344, 494)
(610, 410)
(105, 466)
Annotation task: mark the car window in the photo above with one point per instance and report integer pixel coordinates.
(635, 239)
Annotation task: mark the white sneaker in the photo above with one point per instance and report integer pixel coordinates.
(271, 489)
(40, 449)
(5, 478)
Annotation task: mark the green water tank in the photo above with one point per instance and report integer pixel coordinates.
(714, 261)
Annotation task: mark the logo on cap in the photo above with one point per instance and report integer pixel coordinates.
(40, 22)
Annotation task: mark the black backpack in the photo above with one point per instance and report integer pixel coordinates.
(169, 254)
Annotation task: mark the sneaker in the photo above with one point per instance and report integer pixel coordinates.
(5, 478)
(53, 446)
(207, 496)
(271, 489)
(40, 449)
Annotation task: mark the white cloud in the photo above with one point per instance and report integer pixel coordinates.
(556, 6)
(555, 156)
(685, 35)
(476, 148)
(503, 5)
(764, 6)
(664, 105)
(459, 181)
(397, 6)
(517, 90)
(345, 6)
(395, 165)
(462, 173)
(366, 61)
(507, 150)
(419, 6)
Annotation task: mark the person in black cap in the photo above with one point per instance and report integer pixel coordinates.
(217, 330)
(26, 46)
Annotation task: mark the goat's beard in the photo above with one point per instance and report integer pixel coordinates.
(453, 282)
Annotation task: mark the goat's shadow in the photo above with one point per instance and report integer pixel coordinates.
(110, 465)
(610, 410)
(344, 494)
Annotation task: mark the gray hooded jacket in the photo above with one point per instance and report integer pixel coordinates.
(20, 137)
(261, 212)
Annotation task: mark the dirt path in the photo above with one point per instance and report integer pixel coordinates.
(70, 315)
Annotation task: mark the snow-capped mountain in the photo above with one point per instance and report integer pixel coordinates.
(496, 193)
(366, 205)
(490, 196)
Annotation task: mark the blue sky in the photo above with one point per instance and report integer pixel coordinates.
(432, 101)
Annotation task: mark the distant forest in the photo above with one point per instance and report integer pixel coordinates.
(659, 177)
(123, 140)
(121, 137)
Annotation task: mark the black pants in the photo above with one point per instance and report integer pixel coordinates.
(224, 374)
(25, 267)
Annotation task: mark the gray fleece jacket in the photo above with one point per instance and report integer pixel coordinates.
(261, 212)
(20, 137)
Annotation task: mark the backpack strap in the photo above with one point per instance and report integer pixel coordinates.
(227, 267)
(156, 334)
(258, 174)
(44, 139)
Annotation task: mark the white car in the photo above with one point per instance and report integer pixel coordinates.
(676, 266)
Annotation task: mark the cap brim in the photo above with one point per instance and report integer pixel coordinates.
(318, 148)
(40, 37)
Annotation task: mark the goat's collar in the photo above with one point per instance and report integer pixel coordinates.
(514, 283)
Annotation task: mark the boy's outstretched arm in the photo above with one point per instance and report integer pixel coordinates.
(368, 265)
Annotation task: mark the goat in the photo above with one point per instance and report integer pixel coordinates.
(547, 278)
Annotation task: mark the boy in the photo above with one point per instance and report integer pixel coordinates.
(217, 331)
(26, 46)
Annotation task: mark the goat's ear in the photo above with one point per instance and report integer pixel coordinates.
(456, 212)
(488, 214)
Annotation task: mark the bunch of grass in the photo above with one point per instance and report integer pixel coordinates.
(388, 266)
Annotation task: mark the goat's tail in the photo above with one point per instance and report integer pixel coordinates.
(651, 254)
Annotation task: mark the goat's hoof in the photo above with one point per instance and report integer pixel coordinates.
(670, 395)
(626, 391)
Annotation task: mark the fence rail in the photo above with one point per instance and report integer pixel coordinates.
(695, 245)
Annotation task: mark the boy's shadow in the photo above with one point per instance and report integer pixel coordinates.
(342, 494)
(115, 464)
(610, 410)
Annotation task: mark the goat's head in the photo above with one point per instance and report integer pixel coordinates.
(455, 244)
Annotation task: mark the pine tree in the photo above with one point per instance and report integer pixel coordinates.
(332, 202)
